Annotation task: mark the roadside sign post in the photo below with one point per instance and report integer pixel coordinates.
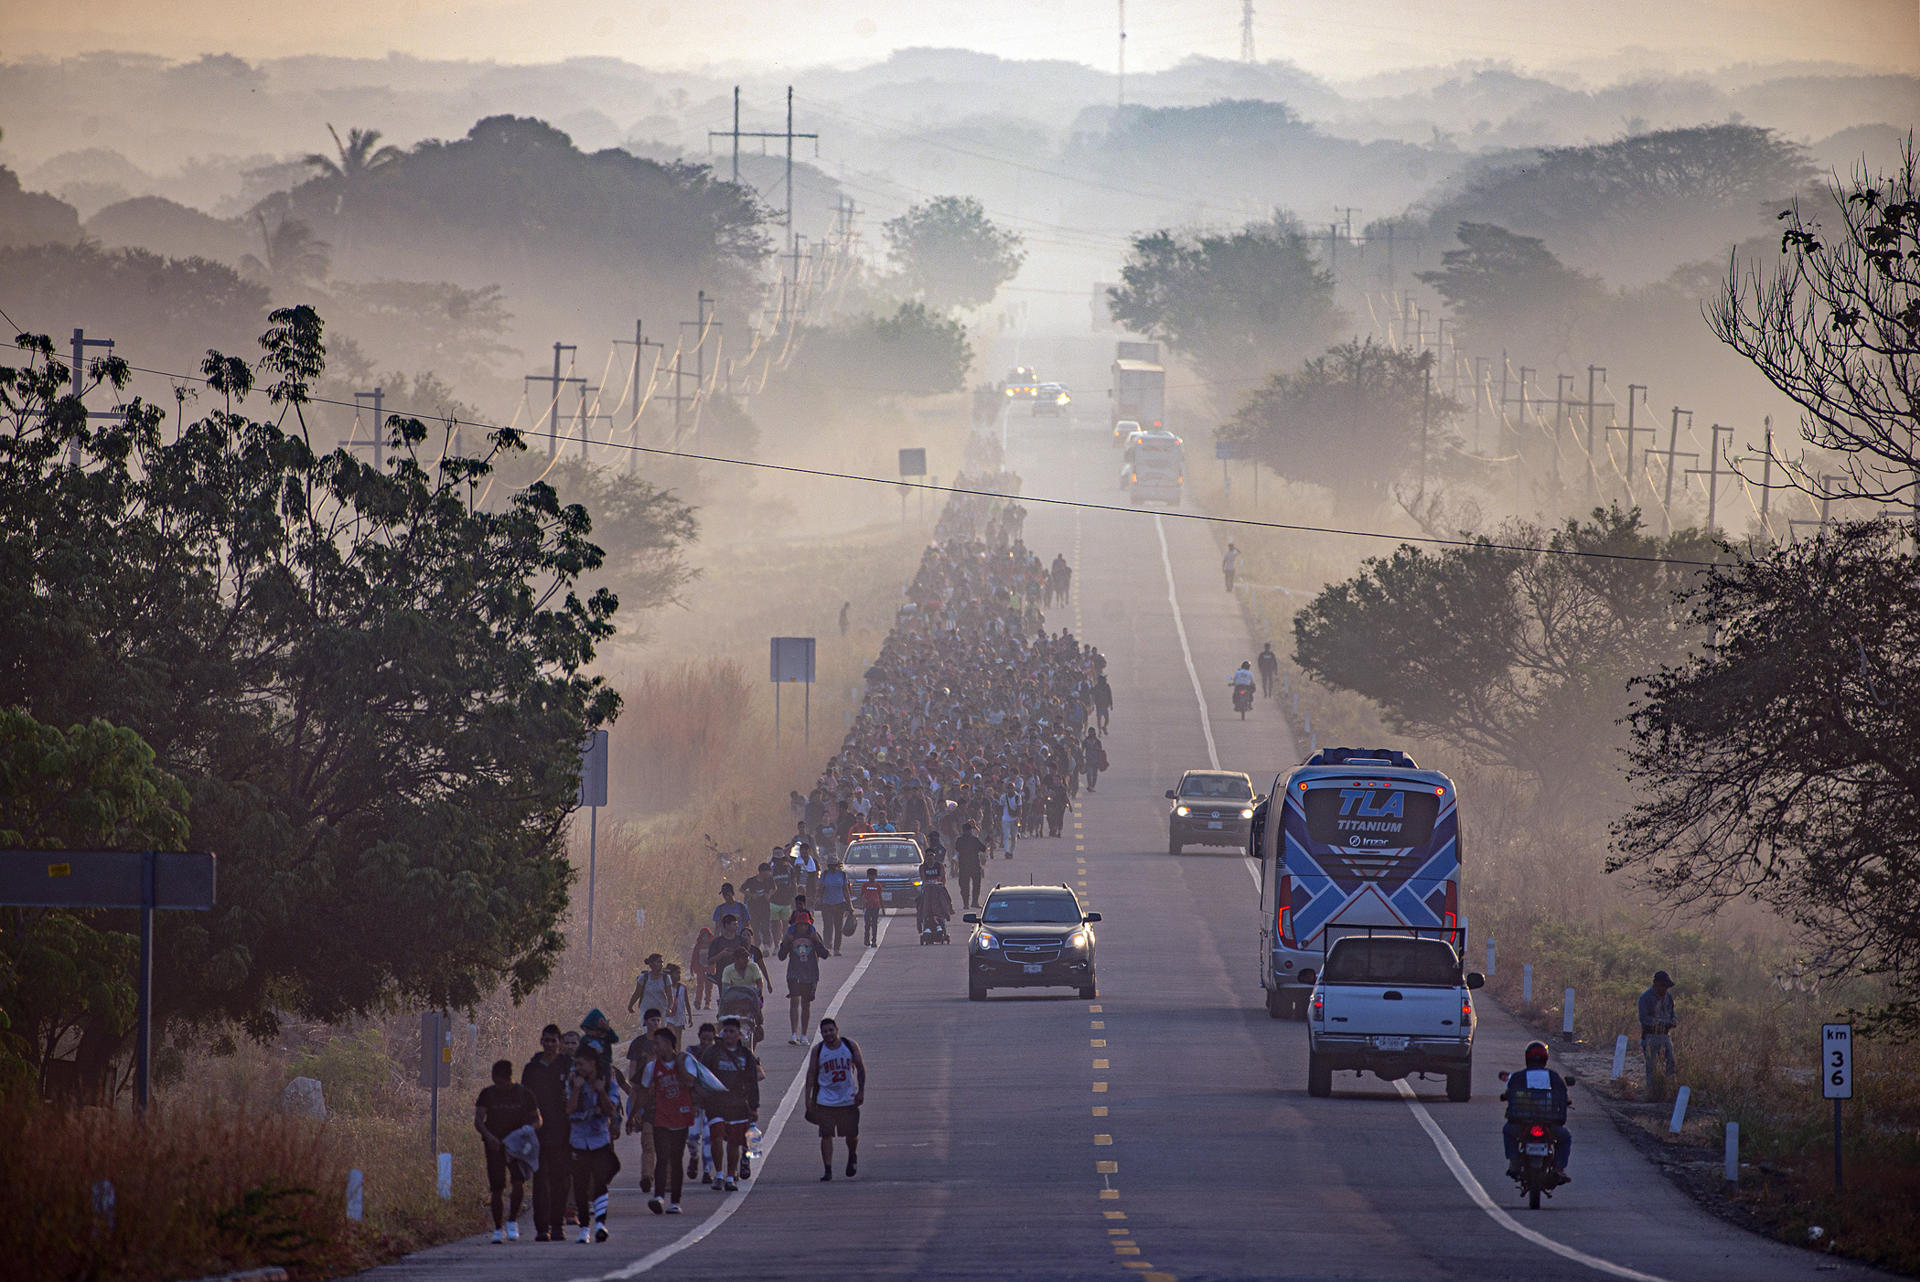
(144, 879)
(1836, 1082)
(593, 795)
(912, 463)
(436, 1067)
(791, 659)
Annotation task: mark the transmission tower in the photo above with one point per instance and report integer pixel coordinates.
(1246, 30)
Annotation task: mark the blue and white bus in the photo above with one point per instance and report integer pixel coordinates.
(1354, 841)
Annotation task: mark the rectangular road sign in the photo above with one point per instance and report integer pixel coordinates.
(913, 462)
(1836, 1061)
(1226, 450)
(791, 659)
(105, 879)
(593, 770)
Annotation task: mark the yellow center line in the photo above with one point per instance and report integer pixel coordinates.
(1099, 1023)
(1096, 1041)
(1125, 1249)
(1103, 1141)
(1099, 1110)
(1106, 1168)
(1095, 1009)
(1109, 1195)
(1115, 1215)
(1099, 1063)
(1099, 1088)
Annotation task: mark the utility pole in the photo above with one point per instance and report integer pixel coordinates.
(1593, 474)
(700, 327)
(1559, 420)
(1827, 480)
(736, 134)
(80, 345)
(1246, 31)
(553, 411)
(379, 432)
(1481, 390)
(586, 420)
(1123, 53)
(1673, 454)
(1426, 422)
(1766, 478)
(1713, 471)
(1632, 431)
(640, 343)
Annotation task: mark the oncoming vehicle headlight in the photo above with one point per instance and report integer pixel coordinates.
(1247, 813)
(1182, 811)
(1078, 939)
(985, 940)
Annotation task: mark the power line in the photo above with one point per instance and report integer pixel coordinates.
(557, 438)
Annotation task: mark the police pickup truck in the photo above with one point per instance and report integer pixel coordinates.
(1392, 1005)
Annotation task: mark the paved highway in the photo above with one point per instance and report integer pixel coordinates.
(1164, 1130)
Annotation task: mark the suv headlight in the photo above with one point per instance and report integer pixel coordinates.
(1246, 814)
(985, 940)
(1182, 811)
(1078, 939)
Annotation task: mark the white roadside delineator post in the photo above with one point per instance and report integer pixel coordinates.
(445, 1181)
(356, 1190)
(1733, 1152)
(1566, 1013)
(1679, 1110)
(1526, 984)
(1489, 956)
(1619, 1057)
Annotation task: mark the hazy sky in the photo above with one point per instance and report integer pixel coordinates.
(1332, 37)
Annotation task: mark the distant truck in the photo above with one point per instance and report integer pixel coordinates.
(1139, 387)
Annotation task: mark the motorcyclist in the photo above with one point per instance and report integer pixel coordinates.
(1537, 1094)
(1243, 680)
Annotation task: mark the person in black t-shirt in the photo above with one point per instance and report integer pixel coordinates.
(500, 1110)
(546, 1076)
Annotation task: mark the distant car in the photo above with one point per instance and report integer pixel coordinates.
(895, 857)
(1051, 399)
(1124, 430)
(1031, 937)
(1210, 808)
(1021, 382)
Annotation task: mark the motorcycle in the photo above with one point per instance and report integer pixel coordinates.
(1538, 1176)
(1242, 700)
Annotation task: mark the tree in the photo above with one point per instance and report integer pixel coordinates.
(1837, 328)
(359, 155)
(1517, 649)
(1777, 761)
(913, 352)
(68, 976)
(1353, 419)
(291, 258)
(1240, 303)
(950, 254)
(373, 686)
(1508, 290)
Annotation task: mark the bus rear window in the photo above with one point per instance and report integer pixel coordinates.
(1370, 818)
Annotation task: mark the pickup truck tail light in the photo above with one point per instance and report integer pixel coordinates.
(1319, 1009)
(1283, 911)
(1466, 1011)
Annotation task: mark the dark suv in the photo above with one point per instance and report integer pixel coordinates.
(1210, 808)
(1031, 937)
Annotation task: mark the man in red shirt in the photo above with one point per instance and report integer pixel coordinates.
(870, 901)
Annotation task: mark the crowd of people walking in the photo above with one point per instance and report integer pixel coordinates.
(977, 729)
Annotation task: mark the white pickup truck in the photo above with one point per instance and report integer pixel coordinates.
(1392, 1005)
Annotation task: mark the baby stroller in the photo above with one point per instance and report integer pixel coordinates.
(742, 1003)
(936, 906)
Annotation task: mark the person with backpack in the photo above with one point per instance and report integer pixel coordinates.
(666, 1096)
(835, 911)
(593, 1103)
(1093, 757)
(731, 1110)
(801, 951)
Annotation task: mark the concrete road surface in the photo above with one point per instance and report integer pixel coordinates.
(1164, 1130)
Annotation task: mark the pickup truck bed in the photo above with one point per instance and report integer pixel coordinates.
(1392, 1006)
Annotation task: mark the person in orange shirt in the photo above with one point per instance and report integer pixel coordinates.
(870, 901)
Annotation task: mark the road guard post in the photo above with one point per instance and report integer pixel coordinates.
(142, 879)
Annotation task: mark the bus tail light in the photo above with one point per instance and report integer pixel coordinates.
(1283, 911)
(1451, 917)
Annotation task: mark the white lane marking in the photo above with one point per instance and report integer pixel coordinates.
(1448, 1152)
(1455, 1163)
(1186, 651)
(787, 1102)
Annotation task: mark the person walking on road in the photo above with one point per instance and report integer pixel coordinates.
(1657, 1022)
(836, 1088)
(1269, 669)
(731, 1111)
(757, 890)
(801, 951)
(650, 987)
(1230, 564)
(666, 1088)
(728, 905)
(593, 1102)
(872, 900)
(546, 1076)
(501, 1113)
(1094, 757)
(1056, 805)
(1102, 702)
(835, 888)
(969, 854)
